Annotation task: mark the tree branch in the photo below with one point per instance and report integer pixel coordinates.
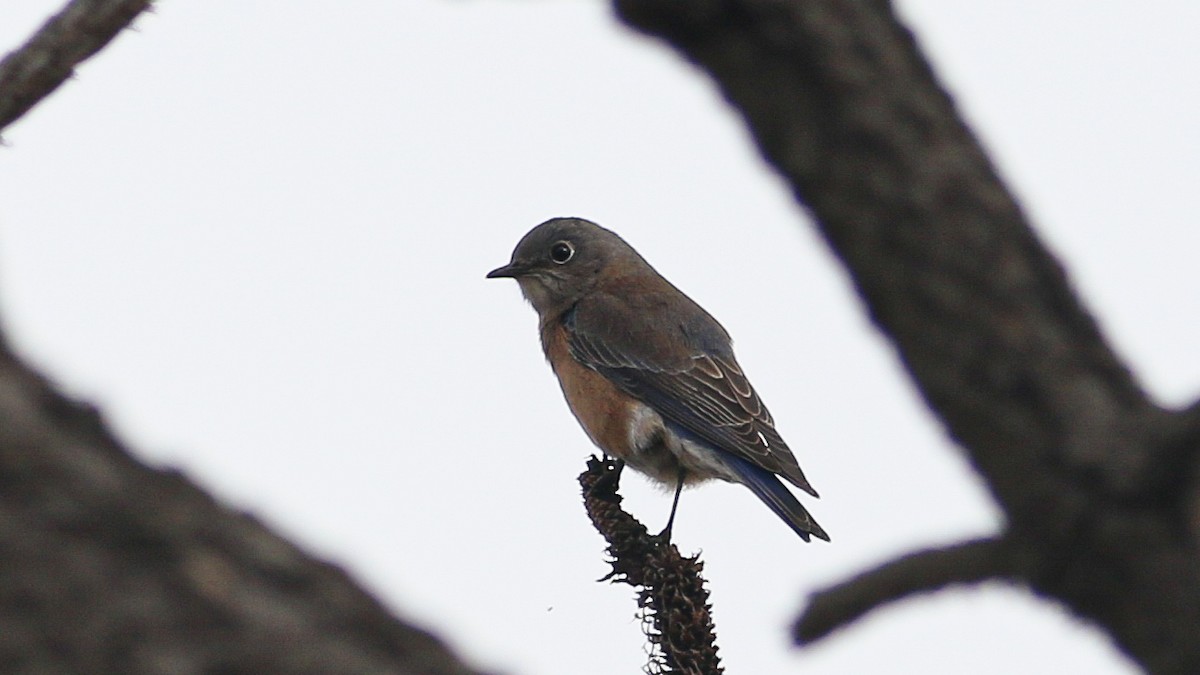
(673, 599)
(921, 572)
(1086, 468)
(844, 106)
(110, 566)
(81, 29)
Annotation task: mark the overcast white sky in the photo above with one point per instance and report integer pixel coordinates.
(255, 234)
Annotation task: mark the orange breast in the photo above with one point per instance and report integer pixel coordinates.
(602, 410)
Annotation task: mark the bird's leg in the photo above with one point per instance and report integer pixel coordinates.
(665, 535)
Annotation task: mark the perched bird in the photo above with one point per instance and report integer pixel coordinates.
(648, 373)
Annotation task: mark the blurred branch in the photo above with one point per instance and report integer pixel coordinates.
(110, 566)
(920, 572)
(672, 595)
(1094, 477)
(70, 37)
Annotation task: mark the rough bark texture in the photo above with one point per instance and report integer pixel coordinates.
(671, 595)
(1098, 485)
(109, 566)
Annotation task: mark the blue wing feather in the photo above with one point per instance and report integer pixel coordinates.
(767, 487)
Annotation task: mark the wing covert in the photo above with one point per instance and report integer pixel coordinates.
(703, 392)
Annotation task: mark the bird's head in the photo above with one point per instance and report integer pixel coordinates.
(563, 259)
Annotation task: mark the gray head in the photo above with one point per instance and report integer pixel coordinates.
(561, 260)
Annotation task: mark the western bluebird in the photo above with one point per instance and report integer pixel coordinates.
(648, 373)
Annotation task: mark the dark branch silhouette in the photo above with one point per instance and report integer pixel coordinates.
(672, 594)
(1096, 482)
(70, 37)
(113, 567)
(110, 566)
(922, 572)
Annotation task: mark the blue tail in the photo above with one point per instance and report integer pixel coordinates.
(767, 487)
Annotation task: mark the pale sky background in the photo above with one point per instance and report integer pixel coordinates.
(255, 234)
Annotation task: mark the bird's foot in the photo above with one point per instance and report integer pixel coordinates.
(663, 538)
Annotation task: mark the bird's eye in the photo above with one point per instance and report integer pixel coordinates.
(561, 252)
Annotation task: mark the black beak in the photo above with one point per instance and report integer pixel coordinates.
(511, 270)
